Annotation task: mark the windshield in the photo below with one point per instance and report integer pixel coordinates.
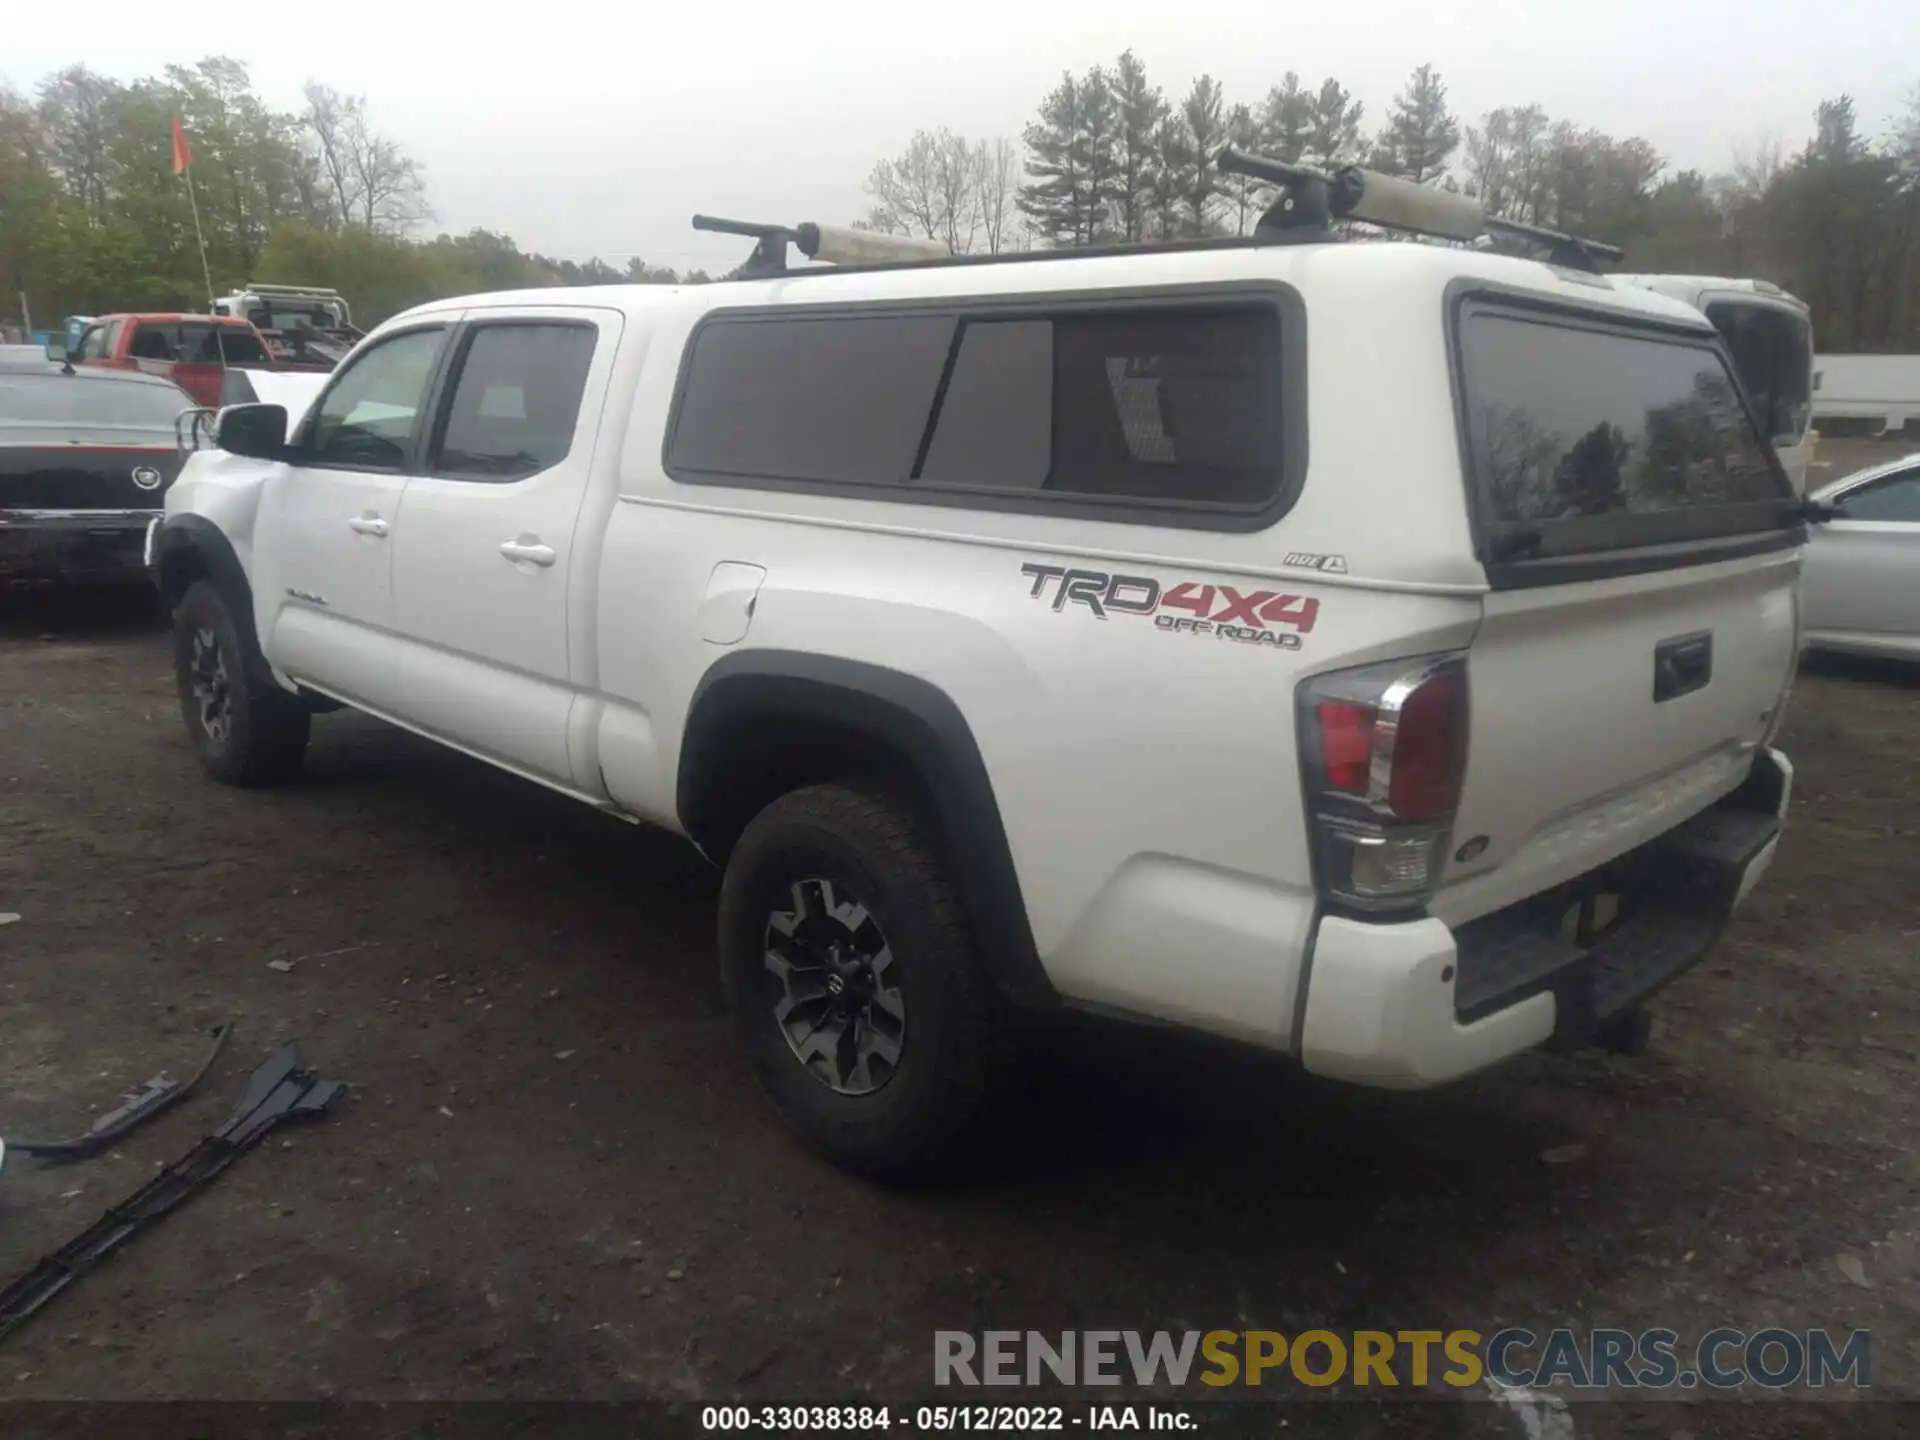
(1773, 355)
(1589, 437)
(68, 400)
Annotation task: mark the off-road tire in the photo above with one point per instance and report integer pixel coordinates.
(956, 1054)
(259, 736)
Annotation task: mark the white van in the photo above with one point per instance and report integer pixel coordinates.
(1770, 334)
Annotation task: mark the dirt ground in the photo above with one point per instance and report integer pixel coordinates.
(553, 1178)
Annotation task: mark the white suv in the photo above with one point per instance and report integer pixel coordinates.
(1368, 651)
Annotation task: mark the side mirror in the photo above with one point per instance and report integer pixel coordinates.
(1819, 512)
(256, 431)
(57, 350)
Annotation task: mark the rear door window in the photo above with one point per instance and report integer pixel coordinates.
(515, 401)
(1590, 437)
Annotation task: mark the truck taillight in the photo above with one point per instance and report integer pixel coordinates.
(1383, 751)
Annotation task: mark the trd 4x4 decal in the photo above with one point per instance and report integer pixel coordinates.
(1191, 607)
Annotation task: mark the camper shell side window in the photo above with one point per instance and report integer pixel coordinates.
(1182, 408)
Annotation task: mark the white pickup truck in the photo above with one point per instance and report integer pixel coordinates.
(1070, 629)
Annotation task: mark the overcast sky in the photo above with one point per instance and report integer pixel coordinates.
(583, 128)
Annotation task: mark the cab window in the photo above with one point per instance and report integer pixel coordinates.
(366, 419)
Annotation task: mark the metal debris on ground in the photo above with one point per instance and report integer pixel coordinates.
(279, 1090)
(136, 1109)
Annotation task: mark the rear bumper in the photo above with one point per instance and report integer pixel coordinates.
(1409, 1005)
(73, 544)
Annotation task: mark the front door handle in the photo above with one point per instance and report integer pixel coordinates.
(368, 524)
(529, 548)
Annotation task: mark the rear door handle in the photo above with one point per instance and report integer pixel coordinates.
(369, 524)
(528, 548)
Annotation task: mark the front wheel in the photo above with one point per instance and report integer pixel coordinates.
(851, 971)
(244, 728)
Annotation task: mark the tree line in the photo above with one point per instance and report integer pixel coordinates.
(1110, 158)
(93, 219)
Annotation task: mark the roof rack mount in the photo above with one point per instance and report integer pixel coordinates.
(1311, 198)
(835, 244)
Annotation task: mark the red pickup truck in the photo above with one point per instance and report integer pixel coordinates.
(193, 351)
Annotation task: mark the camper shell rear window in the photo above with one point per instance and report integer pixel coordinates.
(1590, 438)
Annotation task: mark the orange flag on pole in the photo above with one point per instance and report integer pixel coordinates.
(182, 157)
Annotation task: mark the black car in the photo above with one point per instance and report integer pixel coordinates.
(86, 457)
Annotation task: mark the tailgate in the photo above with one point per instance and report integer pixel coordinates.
(1641, 543)
(1604, 715)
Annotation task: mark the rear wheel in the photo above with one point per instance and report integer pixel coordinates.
(244, 728)
(854, 983)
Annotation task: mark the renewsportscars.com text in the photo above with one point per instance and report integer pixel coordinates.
(1657, 1359)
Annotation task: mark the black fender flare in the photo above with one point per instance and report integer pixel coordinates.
(183, 536)
(906, 715)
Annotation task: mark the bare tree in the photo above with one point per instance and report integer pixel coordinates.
(957, 176)
(329, 120)
(996, 186)
(945, 187)
(908, 191)
(391, 195)
(373, 183)
(1503, 161)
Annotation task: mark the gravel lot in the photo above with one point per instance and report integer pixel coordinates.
(555, 1180)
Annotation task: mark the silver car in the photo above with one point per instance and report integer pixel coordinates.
(1860, 590)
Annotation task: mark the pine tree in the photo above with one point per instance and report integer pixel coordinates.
(1097, 139)
(1285, 120)
(1204, 130)
(1136, 156)
(1420, 134)
(1333, 124)
(1246, 197)
(1169, 166)
(1071, 152)
(1051, 200)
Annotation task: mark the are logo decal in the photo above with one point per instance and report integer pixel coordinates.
(1307, 560)
(1251, 617)
(147, 478)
